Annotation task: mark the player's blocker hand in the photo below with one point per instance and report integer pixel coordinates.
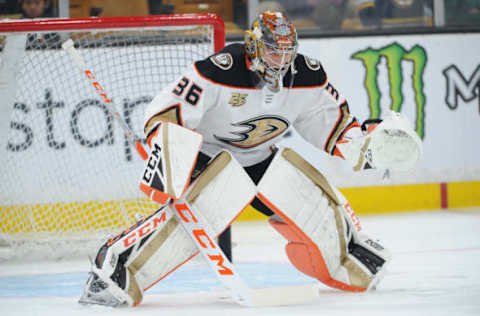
(391, 144)
(174, 150)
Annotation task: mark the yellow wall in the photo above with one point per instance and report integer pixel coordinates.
(114, 215)
(402, 198)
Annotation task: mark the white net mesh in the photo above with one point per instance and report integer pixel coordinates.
(68, 173)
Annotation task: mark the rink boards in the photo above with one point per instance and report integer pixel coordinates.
(365, 200)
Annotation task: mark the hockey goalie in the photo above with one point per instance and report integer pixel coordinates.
(213, 137)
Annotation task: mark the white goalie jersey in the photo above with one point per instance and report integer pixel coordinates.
(223, 100)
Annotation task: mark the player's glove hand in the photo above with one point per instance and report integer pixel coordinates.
(387, 144)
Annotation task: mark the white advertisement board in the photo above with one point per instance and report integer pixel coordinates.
(433, 79)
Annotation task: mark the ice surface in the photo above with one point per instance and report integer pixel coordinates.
(435, 271)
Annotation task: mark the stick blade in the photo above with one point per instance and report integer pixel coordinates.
(285, 295)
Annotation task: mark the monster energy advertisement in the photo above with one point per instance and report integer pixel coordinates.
(432, 79)
(395, 54)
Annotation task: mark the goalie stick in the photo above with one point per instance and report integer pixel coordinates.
(69, 47)
(196, 229)
(226, 271)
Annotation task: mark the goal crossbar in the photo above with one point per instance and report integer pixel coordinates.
(173, 20)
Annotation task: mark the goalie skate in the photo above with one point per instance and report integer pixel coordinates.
(111, 280)
(97, 292)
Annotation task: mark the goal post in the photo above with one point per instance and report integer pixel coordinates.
(69, 176)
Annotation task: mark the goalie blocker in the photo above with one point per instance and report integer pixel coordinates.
(324, 237)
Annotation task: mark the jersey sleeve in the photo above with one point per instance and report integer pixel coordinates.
(183, 102)
(328, 120)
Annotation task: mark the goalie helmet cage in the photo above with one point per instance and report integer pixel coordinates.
(69, 177)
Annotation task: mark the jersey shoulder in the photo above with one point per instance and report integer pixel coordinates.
(228, 67)
(310, 72)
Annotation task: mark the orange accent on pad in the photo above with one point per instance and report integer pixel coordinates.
(149, 140)
(298, 252)
(155, 195)
(302, 251)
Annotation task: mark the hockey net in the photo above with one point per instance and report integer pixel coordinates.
(69, 177)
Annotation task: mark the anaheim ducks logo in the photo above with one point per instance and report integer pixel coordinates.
(223, 61)
(257, 131)
(312, 63)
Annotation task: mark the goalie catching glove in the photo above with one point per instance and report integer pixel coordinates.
(390, 144)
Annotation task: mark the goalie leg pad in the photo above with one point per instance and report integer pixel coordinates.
(214, 198)
(143, 255)
(323, 239)
(302, 255)
(112, 280)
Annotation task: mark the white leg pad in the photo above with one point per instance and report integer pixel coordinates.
(219, 195)
(314, 214)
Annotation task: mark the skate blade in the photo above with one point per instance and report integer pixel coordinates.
(111, 301)
(96, 293)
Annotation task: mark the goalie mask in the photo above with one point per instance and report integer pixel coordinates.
(271, 46)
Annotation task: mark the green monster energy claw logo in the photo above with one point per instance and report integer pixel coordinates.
(395, 54)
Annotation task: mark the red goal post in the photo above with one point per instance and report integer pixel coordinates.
(68, 173)
(174, 20)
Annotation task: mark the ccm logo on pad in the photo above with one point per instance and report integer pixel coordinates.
(140, 229)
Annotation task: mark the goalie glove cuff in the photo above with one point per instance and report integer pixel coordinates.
(369, 125)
